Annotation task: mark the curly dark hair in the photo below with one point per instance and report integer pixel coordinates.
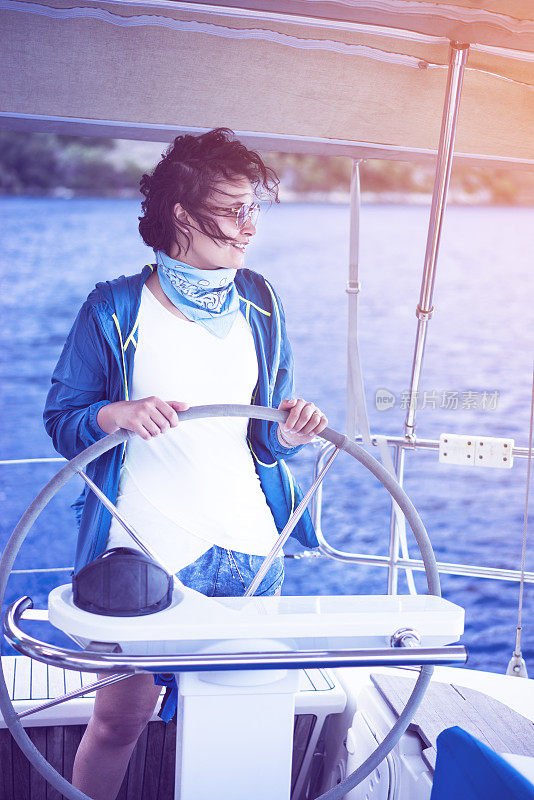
(189, 170)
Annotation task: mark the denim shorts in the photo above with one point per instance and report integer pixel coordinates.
(220, 573)
(226, 573)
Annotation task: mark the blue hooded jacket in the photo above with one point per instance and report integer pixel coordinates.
(96, 366)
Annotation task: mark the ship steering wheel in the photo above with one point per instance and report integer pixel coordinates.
(79, 462)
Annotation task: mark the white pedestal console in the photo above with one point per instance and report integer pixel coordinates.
(194, 622)
(235, 736)
(235, 728)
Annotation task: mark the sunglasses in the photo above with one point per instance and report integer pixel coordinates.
(242, 214)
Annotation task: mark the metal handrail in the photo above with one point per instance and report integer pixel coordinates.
(400, 442)
(6, 462)
(447, 568)
(431, 444)
(87, 661)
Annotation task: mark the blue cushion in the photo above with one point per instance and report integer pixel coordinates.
(468, 770)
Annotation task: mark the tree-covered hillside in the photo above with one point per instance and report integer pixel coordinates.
(45, 164)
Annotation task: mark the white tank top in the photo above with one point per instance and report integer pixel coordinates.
(195, 485)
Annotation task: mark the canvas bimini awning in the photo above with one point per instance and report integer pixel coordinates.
(363, 79)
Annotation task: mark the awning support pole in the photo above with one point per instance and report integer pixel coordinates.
(356, 410)
(457, 62)
(449, 122)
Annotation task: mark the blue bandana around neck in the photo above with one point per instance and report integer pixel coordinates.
(206, 296)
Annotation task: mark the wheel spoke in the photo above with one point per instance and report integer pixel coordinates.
(91, 687)
(113, 510)
(290, 525)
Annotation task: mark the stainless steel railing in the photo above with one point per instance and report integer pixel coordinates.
(92, 661)
(392, 561)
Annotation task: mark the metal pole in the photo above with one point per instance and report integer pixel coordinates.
(393, 570)
(356, 411)
(517, 664)
(457, 62)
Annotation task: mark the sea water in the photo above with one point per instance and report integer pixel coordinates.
(476, 379)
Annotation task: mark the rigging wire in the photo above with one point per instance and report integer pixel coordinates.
(517, 664)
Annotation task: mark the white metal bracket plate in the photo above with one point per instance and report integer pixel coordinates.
(476, 451)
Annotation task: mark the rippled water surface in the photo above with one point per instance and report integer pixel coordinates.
(479, 358)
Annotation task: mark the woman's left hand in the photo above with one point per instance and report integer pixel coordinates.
(303, 422)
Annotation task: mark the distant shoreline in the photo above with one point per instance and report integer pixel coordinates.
(290, 197)
(45, 165)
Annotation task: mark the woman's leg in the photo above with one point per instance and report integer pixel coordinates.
(120, 714)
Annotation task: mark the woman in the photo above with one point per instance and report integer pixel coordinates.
(211, 496)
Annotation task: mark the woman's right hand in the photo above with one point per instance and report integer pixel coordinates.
(147, 417)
